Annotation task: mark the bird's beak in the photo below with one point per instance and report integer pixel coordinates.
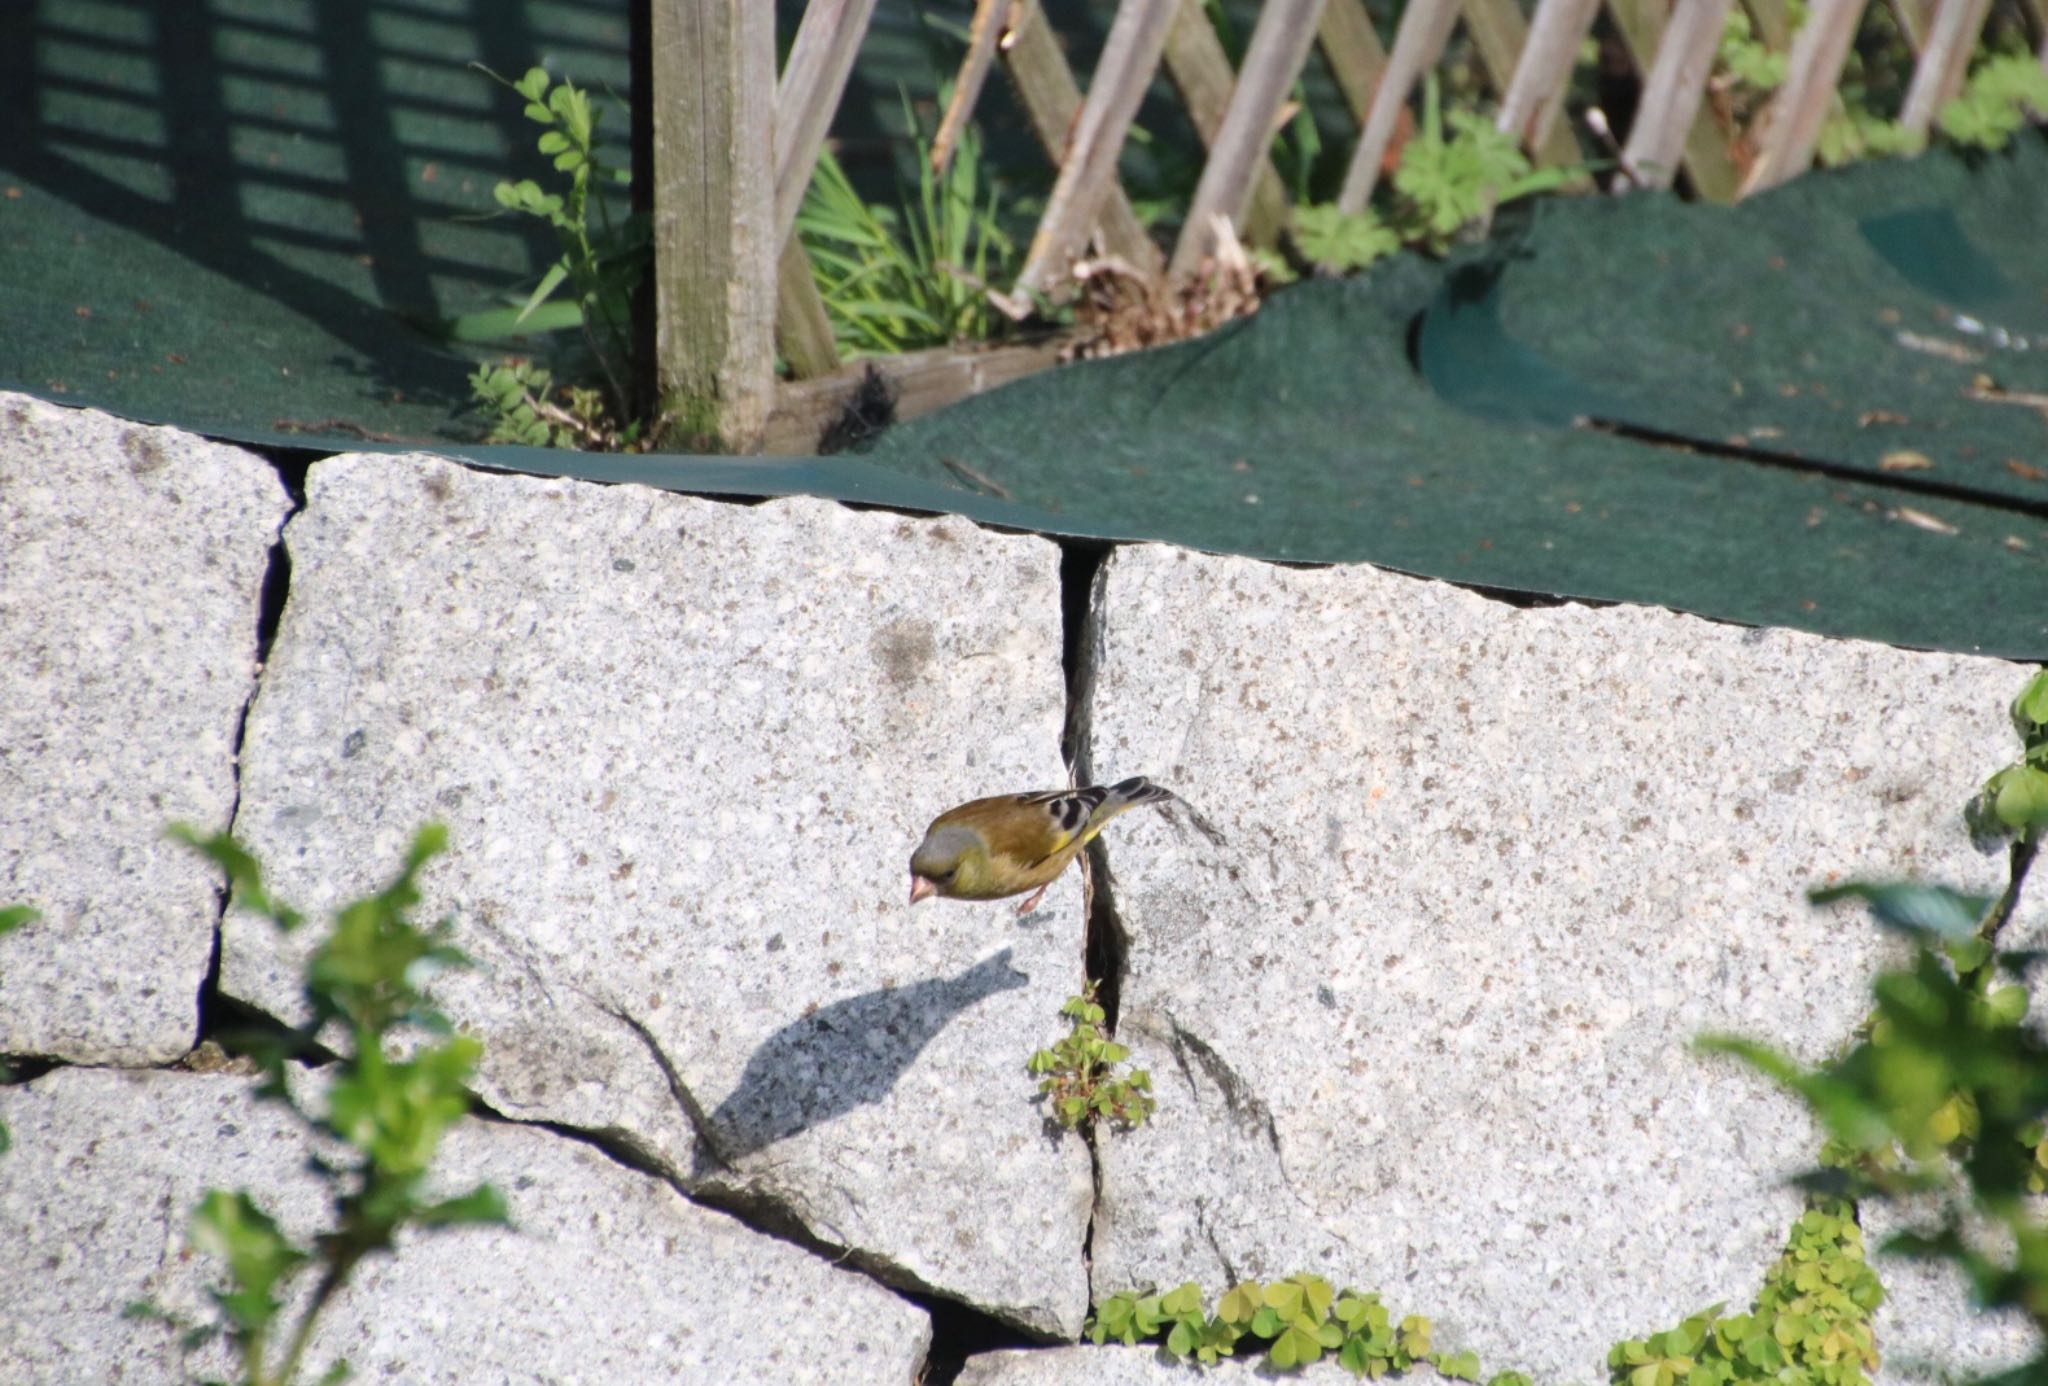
(920, 888)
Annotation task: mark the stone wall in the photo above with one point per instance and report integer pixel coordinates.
(1419, 1023)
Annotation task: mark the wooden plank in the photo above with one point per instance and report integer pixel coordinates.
(1130, 55)
(1773, 21)
(1052, 100)
(1535, 93)
(1944, 62)
(803, 327)
(1201, 73)
(1669, 110)
(1793, 119)
(813, 81)
(991, 22)
(713, 69)
(921, 380)
(1708, 161)
(1500, 34)
(1425, 27)
(808, 95)
(1352, 48)
(1916, 22)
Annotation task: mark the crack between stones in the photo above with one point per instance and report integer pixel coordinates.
(959, 1330)
(213, 1011)
(1083, 571)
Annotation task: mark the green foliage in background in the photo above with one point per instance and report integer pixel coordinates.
(1997, 101)
(600, 266)
(1340, 242)
(1993, 106)
(1077, 1075)
(1447, 182)
(1298, 1321)
(12, 917)
(520, 399)
(896, 281)
(1456, 170)
(363, 979)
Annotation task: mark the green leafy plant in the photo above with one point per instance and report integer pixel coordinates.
(1339, 242)
(2014, 801)
(1810, 1322)
(1745, 63)
(895, 282)
(1943, 1096)
(389, 1113)
(1078, 1077)
(600, 264)
(526, 407)
(12, 917)
(1446, 182)
(1299, 1320)
(1853, 131)
(1995, 102)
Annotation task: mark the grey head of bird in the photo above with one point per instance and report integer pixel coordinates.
(949, 859)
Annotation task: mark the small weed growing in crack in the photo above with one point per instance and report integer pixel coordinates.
(1077, 1073)
(1298, 1319)
(389, 1113)
(12, 917)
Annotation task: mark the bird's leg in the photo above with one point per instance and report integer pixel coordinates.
(1031, 900)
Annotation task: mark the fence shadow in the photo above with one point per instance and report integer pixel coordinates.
(337, 158)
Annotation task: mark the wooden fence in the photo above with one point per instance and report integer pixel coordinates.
(735, 148)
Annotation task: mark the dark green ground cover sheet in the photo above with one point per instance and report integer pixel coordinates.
(1825, 408)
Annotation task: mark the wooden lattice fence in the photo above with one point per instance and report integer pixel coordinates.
(736, 147)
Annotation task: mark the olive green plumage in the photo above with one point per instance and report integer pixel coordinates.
(988, 849)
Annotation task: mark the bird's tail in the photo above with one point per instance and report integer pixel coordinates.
(1129, 794)
(1107, 801)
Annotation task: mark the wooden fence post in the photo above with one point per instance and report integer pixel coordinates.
(1052, 99)
(1708, 161)
(1535, 93)
(1799, 109)
(1951, 36)
(806, 99)
(1672, 92)
(713, 69)
(1419, 41)
(1279, 46)
(1130, 55)
(1201, 70)
(1353, 49)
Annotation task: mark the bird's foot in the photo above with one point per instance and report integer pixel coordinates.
(1031, 900)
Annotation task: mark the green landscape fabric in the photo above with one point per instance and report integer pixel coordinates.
(248, 218)
(1303, 434)
(1878, 317)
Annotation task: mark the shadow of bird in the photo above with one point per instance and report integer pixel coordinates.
(842, 1056)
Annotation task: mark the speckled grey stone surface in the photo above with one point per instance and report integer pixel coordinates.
(607, 1275)
(1423, 1025)
(1927, 1328)
(131, 572)
(1112, 1365)
(684, 749)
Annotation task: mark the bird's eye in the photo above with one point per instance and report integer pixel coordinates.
(941, 877)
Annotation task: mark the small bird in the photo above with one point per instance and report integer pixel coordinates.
(991, 848)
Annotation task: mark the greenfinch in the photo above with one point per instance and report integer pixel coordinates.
(991, 848)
